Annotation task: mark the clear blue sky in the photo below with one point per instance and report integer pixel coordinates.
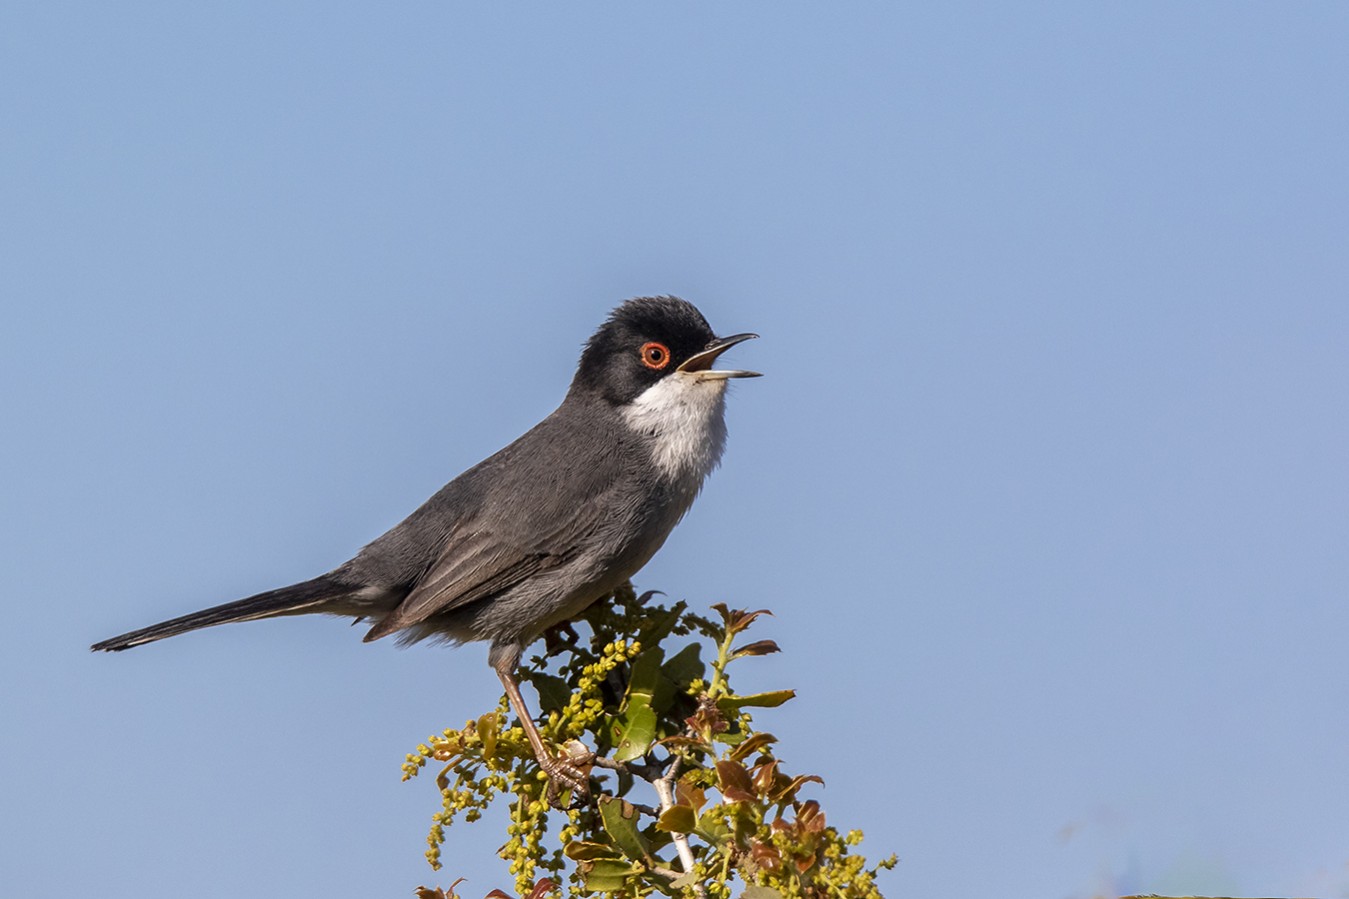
(1046, 480)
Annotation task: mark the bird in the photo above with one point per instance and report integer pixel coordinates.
(531, 536)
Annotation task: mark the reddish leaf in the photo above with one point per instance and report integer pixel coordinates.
(759, 648)
(765, 856)
(734, 779)
(737, 620)
(752, 745)
(766, 778)
(788, 793)
(809, 817)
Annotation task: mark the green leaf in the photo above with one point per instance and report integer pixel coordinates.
(605, 875)
(772, 699)
(754, 891)
(686, 665)
(637, 730)
(730, 737)
(685, 881)
(677, 819)
(711, 827)
(646, 672)
(620, 820)
(553, 692)
(580, 851)
(637, 722)
(657, 628)
(489, 727)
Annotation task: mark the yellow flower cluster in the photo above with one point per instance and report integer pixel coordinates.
(585, 708)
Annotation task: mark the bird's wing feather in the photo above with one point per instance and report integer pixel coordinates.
(470, 569)
(470, 566)
(495, 546)
(474, 565)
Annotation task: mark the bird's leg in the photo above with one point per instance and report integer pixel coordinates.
(561, 771)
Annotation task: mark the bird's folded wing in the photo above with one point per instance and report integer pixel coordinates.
(471, 566)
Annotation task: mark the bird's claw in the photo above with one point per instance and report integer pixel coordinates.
(569, 772)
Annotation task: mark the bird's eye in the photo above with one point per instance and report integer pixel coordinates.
(655, 355)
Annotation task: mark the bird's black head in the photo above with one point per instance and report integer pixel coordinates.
(647, 339)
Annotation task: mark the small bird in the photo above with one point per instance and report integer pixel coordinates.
(531, 536)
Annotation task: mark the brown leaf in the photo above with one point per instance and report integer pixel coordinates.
(737, 620)
(759, 648)
(810, 818)
(751, 745)
(765, 856)
(766, 778)
(733, 778)
(741, 619)
(788, 792)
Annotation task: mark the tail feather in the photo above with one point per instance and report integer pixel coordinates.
(307, 596)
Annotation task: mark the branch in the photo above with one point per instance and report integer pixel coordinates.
(665, 789)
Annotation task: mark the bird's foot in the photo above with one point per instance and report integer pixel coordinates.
(569, 772)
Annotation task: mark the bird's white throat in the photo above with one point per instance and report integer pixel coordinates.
(685, 415)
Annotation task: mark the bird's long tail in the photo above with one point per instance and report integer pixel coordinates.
(307, 596)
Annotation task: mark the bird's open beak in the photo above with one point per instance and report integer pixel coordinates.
(700, 364)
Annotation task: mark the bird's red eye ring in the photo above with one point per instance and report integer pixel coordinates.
(655, 355)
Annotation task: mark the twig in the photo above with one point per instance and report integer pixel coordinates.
(600, 761)
(665, 790)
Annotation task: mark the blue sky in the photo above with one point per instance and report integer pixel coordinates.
(1045, 482)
